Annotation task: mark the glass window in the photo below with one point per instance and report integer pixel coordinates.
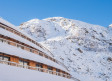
(1, 57)
(8, 42)
(18, 46)
(4, 41)
(40, 54)
(39, 65)
(50, 68)
(22, 47)
(30, 50)
(1, 40)
(25, 63)
(46, 56)
(57, 70)
(6, 58)
(21, 62)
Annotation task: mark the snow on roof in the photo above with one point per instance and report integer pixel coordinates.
(11, 73)
(28, 55)
(14, 27)
(14, 36)
(9, 34)
(7, 23)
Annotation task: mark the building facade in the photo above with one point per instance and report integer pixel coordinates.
(20, 51)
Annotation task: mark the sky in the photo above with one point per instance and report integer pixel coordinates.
(97, 12)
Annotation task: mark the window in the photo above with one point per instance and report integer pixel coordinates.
(8, 42)
(1, 57)
(50, 68)
(39, 65)
(46, 56)
(1, 40)
(4, 58)
(4, 41)
(50, 58)
(40, 53)
(54, 60)
(30, 50)
(57, 70)
(22, 47)
(2, 27)
(23, 64)
(18, 46)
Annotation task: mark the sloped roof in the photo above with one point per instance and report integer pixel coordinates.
(7, 33)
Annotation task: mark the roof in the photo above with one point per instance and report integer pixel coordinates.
(11, 50)
(20, 38)
(14, 36)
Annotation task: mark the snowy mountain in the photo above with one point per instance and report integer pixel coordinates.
(84, 48)
(110, 25)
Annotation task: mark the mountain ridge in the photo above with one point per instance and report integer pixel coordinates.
(86, 49)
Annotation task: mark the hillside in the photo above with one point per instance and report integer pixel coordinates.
(84, 48)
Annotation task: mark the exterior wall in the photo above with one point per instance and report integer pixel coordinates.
(32, 64)
(45, 66)
(54, 69)
(26, 48)
(36, 52)
(29, 48)
(14, 59)
(13, 44)
(1, 54)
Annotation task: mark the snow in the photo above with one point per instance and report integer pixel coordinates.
(7, 23)
(18, 29)
(65, 37)
(16, 37)
(11, 50)
(110, 25)
(14, 27)
(12, 73)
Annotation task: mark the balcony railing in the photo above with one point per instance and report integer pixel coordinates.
(35, 68)
(22, 35)
(30, 50)
(25, 37)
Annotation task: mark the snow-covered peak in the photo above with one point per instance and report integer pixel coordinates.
(110, 25)
(58, 26)
(86, 49)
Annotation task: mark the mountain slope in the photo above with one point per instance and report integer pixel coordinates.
(84, 48)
